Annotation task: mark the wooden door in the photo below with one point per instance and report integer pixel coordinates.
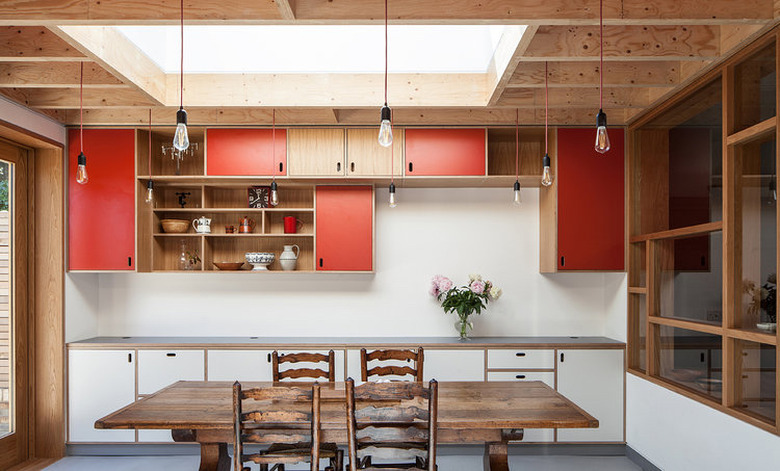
(445, 152)
(365, 157)
(591, 232)
(246, 152)
(345, 228)
(15, 365)
(101, 213)
(315, 152)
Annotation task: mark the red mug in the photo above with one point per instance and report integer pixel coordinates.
(292, 224)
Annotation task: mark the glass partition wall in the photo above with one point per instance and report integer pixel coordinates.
(702, 303)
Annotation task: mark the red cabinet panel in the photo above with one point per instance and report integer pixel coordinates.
(345, 228)
(590, 201)
(101, 214)
(446, 152)
(245, 152)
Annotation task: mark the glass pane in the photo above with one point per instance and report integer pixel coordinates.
(638, 274)
(692, 359)
(6, 321)
(757, 198)
(638, 331)
(757, 372)
(691, 278)
(754, 88)
(679, 169)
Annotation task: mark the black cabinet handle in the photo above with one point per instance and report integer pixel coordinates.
(269, 358)
(129, 261)
(520, 354)
(320, 263)
(520, 376)
(170, 354)
(281, 167)
(561, 357)
(129, 357)
(410, 167)
(704, 261)
(701, 358)
(563, 261)
(338, 166)
(352, 167)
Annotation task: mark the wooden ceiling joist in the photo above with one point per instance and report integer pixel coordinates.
(34, 44)
(548, 12)
(68, 98)
(576, 98)
(510, 49)
(55, 75)
(586, 74)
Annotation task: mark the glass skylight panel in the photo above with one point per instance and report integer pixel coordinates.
(289, 49)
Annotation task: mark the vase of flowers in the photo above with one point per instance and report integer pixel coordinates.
(464, 300)
(762, 302)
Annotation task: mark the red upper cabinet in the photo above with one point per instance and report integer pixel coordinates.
(591, 211)
(246, 152)
(345, 228)
(445, 152)
(101, 213)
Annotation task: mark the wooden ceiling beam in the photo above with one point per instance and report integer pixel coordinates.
(68, 98)
(576, 98)
(115, 53)
(560, 12)
(55, 75)
(586, 74)
(34, 44)
(510, 49)
(625, 43)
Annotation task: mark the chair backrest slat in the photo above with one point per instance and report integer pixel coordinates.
(322, 366)
(393, 368)
(406, 434)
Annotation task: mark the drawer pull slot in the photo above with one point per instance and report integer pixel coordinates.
(520, 354)
(170, 354)
(520, 376)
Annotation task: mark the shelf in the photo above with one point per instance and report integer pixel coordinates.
(184, 234)
(231, 210)
(259, 235)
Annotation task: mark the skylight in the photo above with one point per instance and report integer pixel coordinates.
(319, 48)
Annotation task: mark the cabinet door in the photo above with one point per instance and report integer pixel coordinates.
(101, 213)
(593, 379)
(246, 152)
(454, 365)
(239, 365)
(345, 222)
(315, 152)
(99, 382)
(590, 201)
(160, 368)
(445, 152)
(365, 157)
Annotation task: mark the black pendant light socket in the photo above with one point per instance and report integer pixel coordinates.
(181, 116)
(386, 113)
(546, 161)
(273, 186)
(601, 119)
(392, 187)
(150, 185)
(82, 159)
(517, 185)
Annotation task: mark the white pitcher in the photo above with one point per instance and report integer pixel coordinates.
(202, 225)
(288, 259)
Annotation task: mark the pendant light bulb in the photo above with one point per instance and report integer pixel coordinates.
(546, 176)
(517, 201)
(386, 128)
(393, 202)
(149, 192)
(274, 194)
(181, 141)
(602, 138)
(81, 171)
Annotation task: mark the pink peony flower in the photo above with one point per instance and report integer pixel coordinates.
(443, 283)
(477, 286)
(434, 289)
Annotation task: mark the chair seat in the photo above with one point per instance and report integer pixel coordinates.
(291, 453)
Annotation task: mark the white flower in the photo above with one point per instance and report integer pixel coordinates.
(474, 277)
(495, 292)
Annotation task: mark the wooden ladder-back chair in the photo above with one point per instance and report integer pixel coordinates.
(393, 421)
(291, 428)
(328, 370)
(393, 369)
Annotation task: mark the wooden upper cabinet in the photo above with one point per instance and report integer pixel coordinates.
(315, 152)
(246, 152)
(101, 213)
(345, 228)
(365, 157)
(591, 210)
(445, 152)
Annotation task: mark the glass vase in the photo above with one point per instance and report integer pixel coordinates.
(463, 327)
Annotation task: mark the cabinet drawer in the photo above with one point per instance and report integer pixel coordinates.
(239, 365)
(547, 377)
(520, 359)
(160, 368)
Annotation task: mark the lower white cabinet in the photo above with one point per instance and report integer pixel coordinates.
(99, 382)
(454, 365)
(239, 365)
(593, 379)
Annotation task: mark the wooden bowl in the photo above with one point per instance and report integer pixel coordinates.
(175, 226)
(231, 266)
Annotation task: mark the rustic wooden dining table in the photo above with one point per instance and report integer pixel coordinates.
(490, 413)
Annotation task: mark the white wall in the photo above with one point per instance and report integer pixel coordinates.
(452, 232)
(677, 433)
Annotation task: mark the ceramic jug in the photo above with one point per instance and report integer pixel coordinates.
(289, 257)
(246, 225)
(202, 225)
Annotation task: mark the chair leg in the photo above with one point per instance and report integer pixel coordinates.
(263, 467)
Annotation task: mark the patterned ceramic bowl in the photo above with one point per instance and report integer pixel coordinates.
(260, 260)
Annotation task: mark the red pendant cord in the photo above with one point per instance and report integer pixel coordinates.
(517, 144)
(601, 54)
(181, 67)
(392, 156)
(81, 108)
(273, 142)
(385, 51)
(546, 108)
(150, 143)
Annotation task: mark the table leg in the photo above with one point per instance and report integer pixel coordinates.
(496, 458)
(214, 457)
